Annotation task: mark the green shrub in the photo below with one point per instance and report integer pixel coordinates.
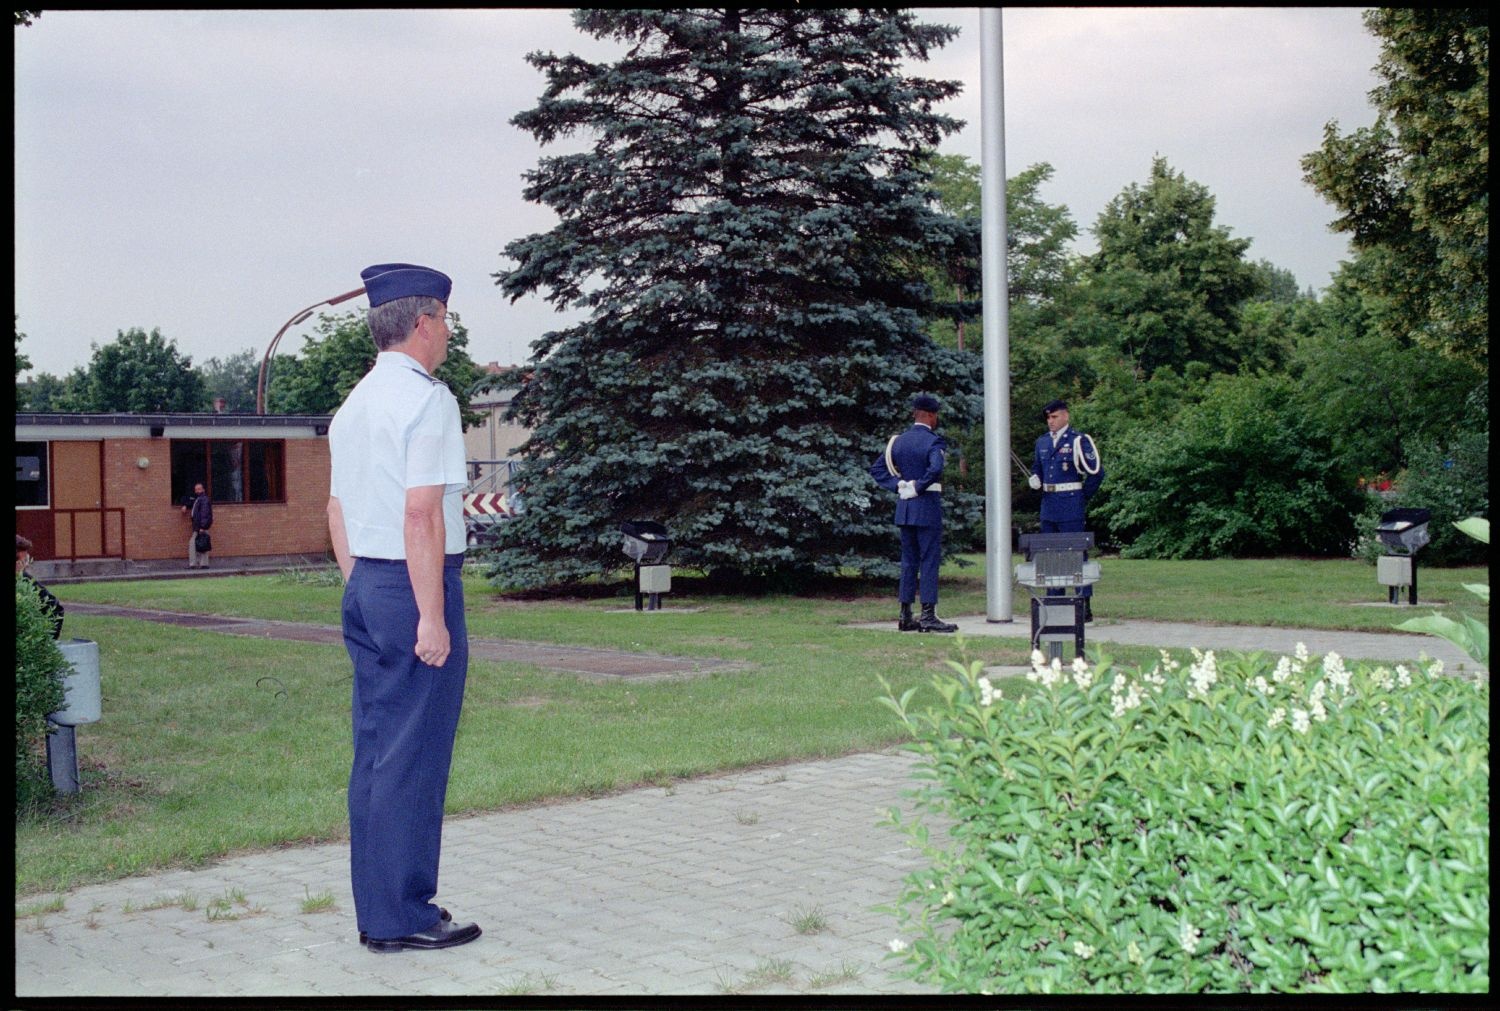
(1244, 826)
(1452, 480)
(39, 669)
(1242, 473)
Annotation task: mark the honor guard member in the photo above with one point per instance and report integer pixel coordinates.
(1067, 471)
(912, 467)
(395, 516)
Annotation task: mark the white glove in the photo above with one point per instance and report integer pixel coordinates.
(1034, 481)
(907, 489)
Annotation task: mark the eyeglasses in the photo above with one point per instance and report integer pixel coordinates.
(450, 318)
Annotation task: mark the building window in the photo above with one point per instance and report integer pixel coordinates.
(233, 470)
(31, 475)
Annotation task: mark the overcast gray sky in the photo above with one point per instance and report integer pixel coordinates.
(213, 172)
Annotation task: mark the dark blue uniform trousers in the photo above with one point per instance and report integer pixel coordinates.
(405, 718)
(921, 551)
(1067, 527)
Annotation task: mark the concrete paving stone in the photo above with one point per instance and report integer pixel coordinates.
(184, 983)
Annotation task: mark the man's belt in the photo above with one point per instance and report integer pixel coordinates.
(1068, 486)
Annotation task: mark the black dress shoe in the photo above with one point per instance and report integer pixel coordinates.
(442, 935)
(443, 915)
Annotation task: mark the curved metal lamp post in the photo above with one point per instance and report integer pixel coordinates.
(265, 363)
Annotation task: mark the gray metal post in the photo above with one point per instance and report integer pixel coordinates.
(62, 758)
(996, 296)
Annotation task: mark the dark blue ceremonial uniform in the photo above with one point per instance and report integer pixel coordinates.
(1070, 472)
(918, 454)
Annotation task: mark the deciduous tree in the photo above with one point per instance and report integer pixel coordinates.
(1416, 183)
(233, 377)
(1168, 282)
(142, 373)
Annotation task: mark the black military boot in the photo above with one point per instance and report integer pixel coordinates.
(932, 623)
(905, 622)
(1088, 610)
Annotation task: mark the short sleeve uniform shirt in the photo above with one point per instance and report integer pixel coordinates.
(398, 429)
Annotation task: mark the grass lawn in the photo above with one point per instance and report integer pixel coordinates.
(212, 744)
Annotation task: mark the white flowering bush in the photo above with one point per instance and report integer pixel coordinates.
(1238, 825)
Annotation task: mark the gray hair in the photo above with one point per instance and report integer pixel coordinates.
(392, 322)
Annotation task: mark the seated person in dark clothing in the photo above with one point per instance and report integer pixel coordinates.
(50, 604)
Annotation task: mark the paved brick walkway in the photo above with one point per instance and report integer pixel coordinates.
(696, 888)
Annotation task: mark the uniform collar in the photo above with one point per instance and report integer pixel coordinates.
(918, 424)
(400, 358)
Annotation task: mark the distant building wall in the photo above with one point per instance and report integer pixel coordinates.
(494, 438)
(108, 490)
(155, 526)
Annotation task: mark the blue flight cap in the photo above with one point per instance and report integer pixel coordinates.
(924, 402)
(386, 282)
(1056, 405)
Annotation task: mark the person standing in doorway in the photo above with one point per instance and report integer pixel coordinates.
(395, 516)
(1066, 469)
(201, 509)
(912, 467)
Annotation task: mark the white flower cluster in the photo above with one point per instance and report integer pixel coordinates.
(1403, 676)
(1189, 937)
(1315, 700)
(1124, 695)
(1301, 718)
(1082, 676)
(1048, 675)
(1334, 670)
(1156, 677)
(1203, 673)
(1082, 950)
(988, 693)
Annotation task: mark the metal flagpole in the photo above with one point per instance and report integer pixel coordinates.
(996, 295)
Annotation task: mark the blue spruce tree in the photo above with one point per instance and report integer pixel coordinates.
(747, 231)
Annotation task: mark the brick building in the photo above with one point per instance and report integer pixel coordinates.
(111, 486)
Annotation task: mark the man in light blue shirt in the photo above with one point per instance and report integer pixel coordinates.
(395, 515)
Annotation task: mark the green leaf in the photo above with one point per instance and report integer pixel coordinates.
(1476, 527)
